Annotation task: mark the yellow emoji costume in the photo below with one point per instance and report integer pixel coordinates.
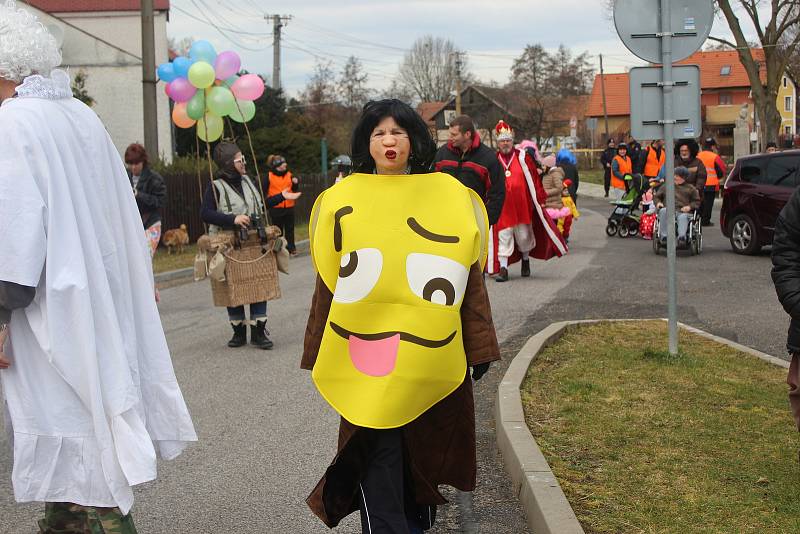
(395, 252)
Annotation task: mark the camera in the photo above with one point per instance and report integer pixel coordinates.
(257, 223)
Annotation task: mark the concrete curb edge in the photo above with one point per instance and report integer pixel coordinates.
(546, 507)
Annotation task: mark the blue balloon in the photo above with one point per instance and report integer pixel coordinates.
(181, 66)
(203, 51)
(229, 82)
(166, 72)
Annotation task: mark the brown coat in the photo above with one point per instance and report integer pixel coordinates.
(553, 182)
(440, 443)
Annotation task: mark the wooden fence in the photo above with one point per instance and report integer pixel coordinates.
(183, 200)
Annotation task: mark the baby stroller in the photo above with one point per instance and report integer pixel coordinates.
(694, 235)
(623, 220)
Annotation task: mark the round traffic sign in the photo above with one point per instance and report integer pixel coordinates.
(638, 23)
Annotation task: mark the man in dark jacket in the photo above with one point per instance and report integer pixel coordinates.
(605, 159)
(473, 164)
(786, 276)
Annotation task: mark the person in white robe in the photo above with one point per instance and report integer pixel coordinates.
(88, 386)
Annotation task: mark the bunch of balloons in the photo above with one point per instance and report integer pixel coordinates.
(206, 87)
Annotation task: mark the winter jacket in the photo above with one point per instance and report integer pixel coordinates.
(786, 266)
(605, 159)
(478, 169)
(571, 173)
(209, 212)
(685, 195)
(151, 195)
(553, 182)
(697, 172)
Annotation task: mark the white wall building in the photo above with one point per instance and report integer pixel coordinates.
(103, 39)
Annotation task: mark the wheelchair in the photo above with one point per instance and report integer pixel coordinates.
(694, 235)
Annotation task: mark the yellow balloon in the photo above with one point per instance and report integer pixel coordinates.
(201, 75)
(397, 261)
(210, 128)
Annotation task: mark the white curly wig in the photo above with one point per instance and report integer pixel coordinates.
(26, 47)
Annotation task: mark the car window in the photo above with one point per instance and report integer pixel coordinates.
(752, 171)
(782, 171)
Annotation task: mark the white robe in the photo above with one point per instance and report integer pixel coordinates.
(91, 392)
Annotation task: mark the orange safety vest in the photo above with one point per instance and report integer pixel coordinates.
(653, 165)
(625, 167)
(277, 184)
(709, 159)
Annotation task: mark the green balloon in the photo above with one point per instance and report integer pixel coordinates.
(201, 75)
(220, 101)
(210, 128)
(196, 107)
(245, 111)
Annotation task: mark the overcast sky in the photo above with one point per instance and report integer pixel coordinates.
(492, 32)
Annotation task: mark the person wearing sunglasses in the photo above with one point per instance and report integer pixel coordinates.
(239, 197)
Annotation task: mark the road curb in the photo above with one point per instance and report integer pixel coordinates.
(546, 507)
(303, 248)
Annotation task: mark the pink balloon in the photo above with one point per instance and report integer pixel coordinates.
(227, 64)
(181, 90)
(248, 87)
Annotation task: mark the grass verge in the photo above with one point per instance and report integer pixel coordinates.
(645, 442)
(164, 262)
(592, 176)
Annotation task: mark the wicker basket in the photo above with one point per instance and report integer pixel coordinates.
(251, 271)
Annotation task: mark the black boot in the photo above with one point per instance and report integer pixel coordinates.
(526, 268)
(503, 276)
(239, 335)
(258, 336)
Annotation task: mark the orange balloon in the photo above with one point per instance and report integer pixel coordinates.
(180, 117)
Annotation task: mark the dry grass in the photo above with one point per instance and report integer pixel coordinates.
(644, 442)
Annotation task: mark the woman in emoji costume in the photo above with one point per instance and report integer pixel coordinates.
(399, 315)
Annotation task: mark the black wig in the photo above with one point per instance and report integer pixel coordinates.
(694, 148)
(423, 147)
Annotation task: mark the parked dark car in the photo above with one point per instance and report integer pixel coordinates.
(754, 194)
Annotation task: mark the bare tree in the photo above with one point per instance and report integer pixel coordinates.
(428, 69)
(784, 16)
(546, 80)
(353, 84)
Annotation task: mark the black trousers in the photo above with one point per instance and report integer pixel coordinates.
(284, 219)
(709, 195)
(607, 180)
(387, 500)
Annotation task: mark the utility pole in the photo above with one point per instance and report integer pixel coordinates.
(458, 82)
(150, 117)
(603, 91)
(278, 22)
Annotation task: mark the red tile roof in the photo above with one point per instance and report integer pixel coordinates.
(80, 6)
(712, 62)
(618, 100)
(427, 110)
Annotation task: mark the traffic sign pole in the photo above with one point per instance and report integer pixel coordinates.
(668, 122)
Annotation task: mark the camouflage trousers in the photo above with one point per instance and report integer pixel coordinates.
(68, 518)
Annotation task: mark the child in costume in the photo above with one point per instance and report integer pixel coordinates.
(565, 223)
(399, 315)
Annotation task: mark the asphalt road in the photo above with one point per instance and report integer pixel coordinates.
(266, 435)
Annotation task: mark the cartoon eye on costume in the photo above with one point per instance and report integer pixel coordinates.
(359, 271)
(436, 279)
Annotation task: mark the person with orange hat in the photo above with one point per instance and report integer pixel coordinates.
(524, 229)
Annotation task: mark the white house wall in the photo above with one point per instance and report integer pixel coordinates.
(114, 70)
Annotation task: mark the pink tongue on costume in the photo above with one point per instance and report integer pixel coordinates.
(374, 358)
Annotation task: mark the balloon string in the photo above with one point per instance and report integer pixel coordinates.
(199, 179)
(208, 154)
(255, 163)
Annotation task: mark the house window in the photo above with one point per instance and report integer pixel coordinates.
(785, 82)
(787, 130)
(725, 70)
(787, 103)
(725, 99)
